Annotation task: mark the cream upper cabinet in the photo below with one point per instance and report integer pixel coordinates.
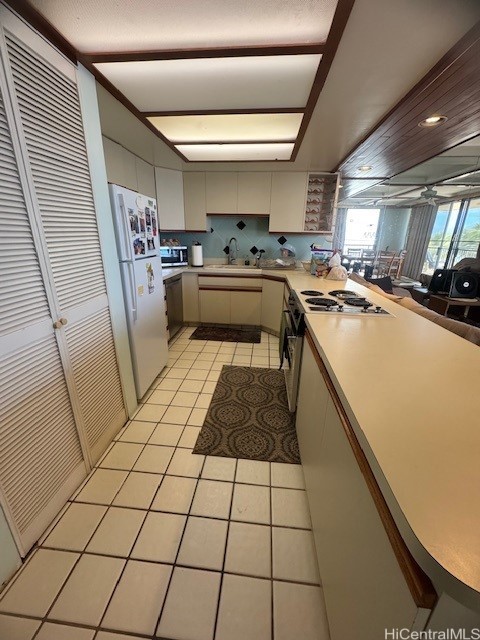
(222, 192)
(287, 205)
(120, 164)
(169, 184)
(145, 178)
(254, 190)
(195, 201)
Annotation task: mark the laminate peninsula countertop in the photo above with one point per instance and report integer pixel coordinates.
(411, 391)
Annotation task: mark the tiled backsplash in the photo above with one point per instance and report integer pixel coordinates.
(251, 233)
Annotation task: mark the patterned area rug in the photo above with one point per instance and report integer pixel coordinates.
(226, 335)
(249, 417)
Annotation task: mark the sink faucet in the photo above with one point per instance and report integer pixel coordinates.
(258, 257)
(232, 254)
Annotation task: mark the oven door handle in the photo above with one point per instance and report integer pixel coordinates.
(286, 336)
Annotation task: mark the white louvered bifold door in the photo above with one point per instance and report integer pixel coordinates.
(40, 455)
(51, 123)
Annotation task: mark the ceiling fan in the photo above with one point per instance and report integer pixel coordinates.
(429, 194)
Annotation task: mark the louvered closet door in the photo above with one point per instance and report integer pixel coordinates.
(41, 460)
(52, 126)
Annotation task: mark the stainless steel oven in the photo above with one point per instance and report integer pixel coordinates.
(174, 256)
(291, 346)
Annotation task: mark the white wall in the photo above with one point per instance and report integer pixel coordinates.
(9, 557)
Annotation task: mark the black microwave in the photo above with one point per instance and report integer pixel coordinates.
(174, 256)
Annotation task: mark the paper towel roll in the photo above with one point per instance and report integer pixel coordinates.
(197, 255)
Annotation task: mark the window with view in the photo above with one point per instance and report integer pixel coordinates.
(360, 230)
(467, 240)
(441, 237)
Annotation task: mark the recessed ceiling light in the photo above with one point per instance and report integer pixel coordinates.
(365, 167)
(432, 121)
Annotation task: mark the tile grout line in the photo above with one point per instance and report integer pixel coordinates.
(177, 553)
(220, 588)
(110, 506)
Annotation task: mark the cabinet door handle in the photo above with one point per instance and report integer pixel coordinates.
(63, 321)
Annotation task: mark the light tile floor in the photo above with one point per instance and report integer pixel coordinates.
(161, 543)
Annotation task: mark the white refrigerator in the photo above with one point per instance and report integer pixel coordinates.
(138, 244)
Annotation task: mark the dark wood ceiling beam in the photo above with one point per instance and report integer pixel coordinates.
(212, 52)
(339, 22)
(397, 144)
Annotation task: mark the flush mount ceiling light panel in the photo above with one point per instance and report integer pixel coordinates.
(239, 81)
(236, 152)
(251, 82)
(237, 127)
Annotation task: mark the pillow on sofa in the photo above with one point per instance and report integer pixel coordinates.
(410, 303)
(390, 296)
(384, 283)
(354, 277)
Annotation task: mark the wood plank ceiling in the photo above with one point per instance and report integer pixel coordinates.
(451, 89)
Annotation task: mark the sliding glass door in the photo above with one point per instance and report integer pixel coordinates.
(466, 240)
(442, 234)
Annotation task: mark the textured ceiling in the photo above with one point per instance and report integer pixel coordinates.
(126, 25)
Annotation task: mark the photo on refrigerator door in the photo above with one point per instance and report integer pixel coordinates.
(150, 244)
(154, 223)
(150, 278)
(138, 247)
(141, 220)
(134, 226)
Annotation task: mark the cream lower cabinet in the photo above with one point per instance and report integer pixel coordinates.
(191, 308)
(272, 304)
(245, 307)
(230, 300)
(214, 306)
(365, 589)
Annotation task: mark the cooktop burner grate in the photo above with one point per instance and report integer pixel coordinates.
(311, 292)
(344, 293)
(358, 302)
(321, 302)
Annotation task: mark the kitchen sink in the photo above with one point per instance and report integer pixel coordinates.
(230, 266)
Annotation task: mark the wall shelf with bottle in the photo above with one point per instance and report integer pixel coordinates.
(321, 203)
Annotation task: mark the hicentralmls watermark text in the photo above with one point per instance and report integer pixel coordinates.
(446, 634)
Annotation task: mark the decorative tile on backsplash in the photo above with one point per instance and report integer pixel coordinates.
(252, 234)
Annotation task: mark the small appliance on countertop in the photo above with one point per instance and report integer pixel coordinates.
(173, 256)
(196, 255)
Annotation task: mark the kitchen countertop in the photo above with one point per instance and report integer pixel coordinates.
(410, 389)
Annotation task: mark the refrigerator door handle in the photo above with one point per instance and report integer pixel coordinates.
(133, 286)
(127, 253)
